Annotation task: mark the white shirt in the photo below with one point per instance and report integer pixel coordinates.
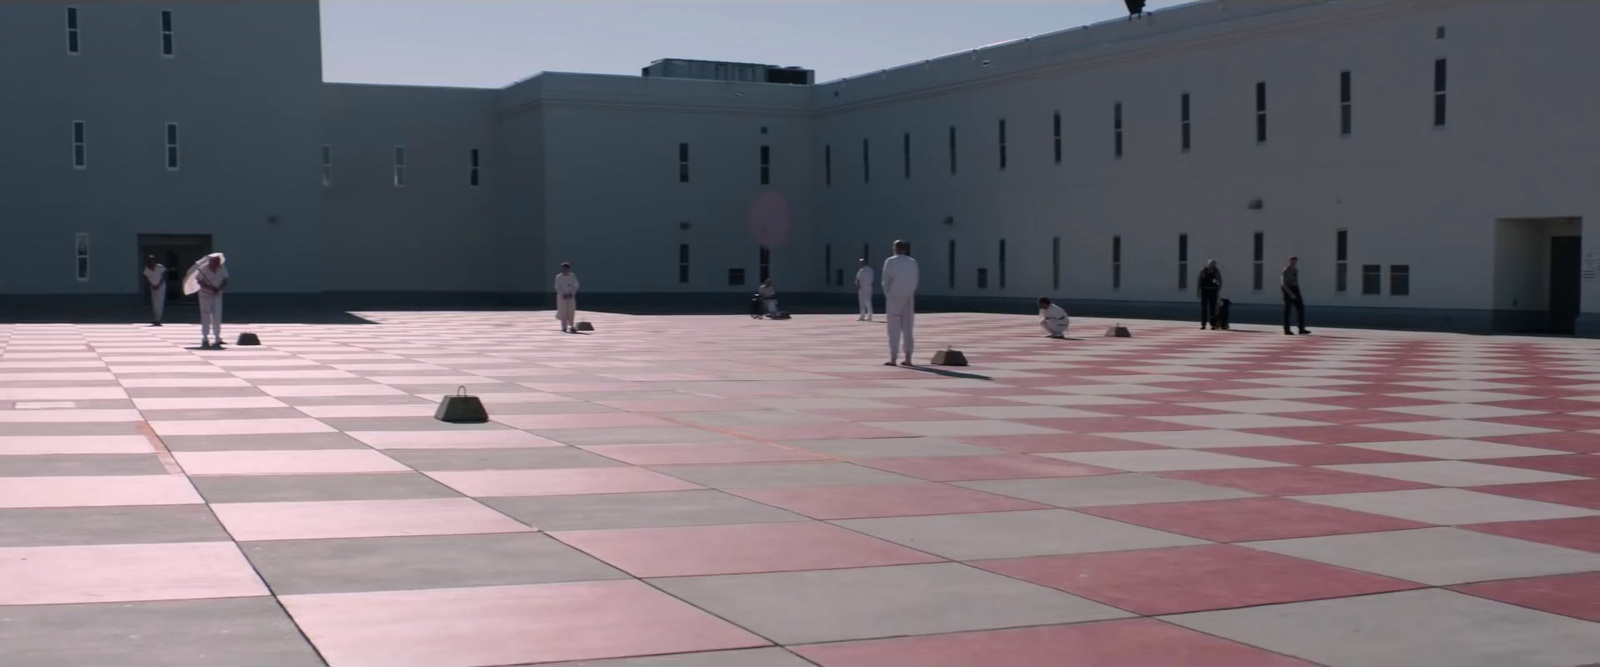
(154, 275)
(900, 276)
(566, 283)
(864, 278)
(1054, 313)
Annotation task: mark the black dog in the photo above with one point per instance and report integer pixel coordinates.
(1222, 314)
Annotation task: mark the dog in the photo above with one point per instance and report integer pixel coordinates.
(1222, 314)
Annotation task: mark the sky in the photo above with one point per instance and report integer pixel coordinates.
(492, 43)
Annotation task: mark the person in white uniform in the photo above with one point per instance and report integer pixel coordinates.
(1052, 318)
(209, 278)
(155, 278)
(900, 275)
(769, 297)
(864, 291)
(567, 298)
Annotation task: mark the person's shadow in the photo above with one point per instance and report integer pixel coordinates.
(949, 374)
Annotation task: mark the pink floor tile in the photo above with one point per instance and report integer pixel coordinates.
(1177, 580)
(738, 549)
(813, 431)
(1558, 421)
(678, 405)
(968, 468)
(884, 500)
(1580, 533)
(287, 462)
(125, 573)
(652, 455)
(1319, 455)
(1056, 443)
(890, 415)
(1577, 443)
(1583, 465)
(26, 445)
(1128, 643)
(1584, 493)
(490, 439)
(559, 482)
(18, 492)
(240, 426)
(1336, 435)
(1250, 519)
(584, 420)
(361, 518)
(1106, 424)
(1357, 417)
(1575, 595)
(498, 625)
(1294, 481)
(1152, 409)
(961, 401)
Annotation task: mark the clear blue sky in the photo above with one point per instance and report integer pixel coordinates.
(491, 43)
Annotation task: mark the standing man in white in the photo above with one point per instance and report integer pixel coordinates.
(900, 276)
(864, 291)
(208, 277)
(567, 298)
(155, 278)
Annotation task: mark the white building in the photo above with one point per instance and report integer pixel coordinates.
(1432, 163)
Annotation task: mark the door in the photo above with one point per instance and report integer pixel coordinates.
(1565, 268)
(177, 252)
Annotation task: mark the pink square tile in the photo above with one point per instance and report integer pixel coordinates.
(584, 420)
(1356, 416)
(1152, 409)
(1127, 643)
(1251, 519)
(652, 455)
(1558, 421)
(969, 468)
(883, 500)
(1105, 424)
(1566, 441)
(500, 625)
(1336, 435)
(1320, 455)
(959, 401)
(833, 430)
(1580, 533)
(1056, 443)
(1177, 580)
(1583, 465)
(1575, 595)
(240, 426)
(125, 573)
(492, 439)
(888, 415)
(677, 405)
(738, 549)
(18, 492)
(559, 482)
(1585, 493)
(27, 445)
(361, 518)
(1294, 481)
(316, 461)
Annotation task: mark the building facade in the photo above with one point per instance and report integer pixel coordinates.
(1431, 163)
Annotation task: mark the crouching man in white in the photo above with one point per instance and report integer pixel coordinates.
(769, 297)
(900, 275)
(209, 278)
(567, 298)
(864, 291)
(1052, 318)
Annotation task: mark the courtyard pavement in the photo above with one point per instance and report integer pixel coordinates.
(721, 491)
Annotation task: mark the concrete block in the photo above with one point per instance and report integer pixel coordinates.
(585, 326)
(949, 358)
(1118, 331)
(249, 339)
(461, 409)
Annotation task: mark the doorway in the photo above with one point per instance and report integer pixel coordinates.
(177, 252)
(1565, 273)
(1538, 275)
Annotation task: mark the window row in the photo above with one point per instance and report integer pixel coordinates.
(1346, 90)
(474, 166)
(80, 145)
(75, 33)
(764, 163)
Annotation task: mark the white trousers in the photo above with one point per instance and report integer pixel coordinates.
(158, 302)
(211, 316)
(772, 306)
(864, 299)
(902, 314)
(1055, 327)
(567, 309)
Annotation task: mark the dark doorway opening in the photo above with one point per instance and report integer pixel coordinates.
(177, 252)
(1565, 272)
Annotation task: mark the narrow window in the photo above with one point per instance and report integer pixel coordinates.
(1371, 279)
(1055, 263)
(1399, 280)
(166, 33)
(1261, 112)
(72, 31)
(735, 277)
(172, 146)
(1002, 263)
(950, 262)
(765, 263)
(399, 166)
(1441, 71)
(766, 165)
(983, 279)
(83, 257)
(80, 145)
(327, 165)
(1258, 270)
(827, 262)
(866, 252)
(952, 149)
(1341, 266)
(475, 168)
(1346, 111)
(683, 163)
(1116, 262)
(1002, 147)
(1183, 120)
(683, 263)
(905, 150)
(838, 277)
(1183, 261)
(1057, 122)
(827, 165)
(1438, 33)
(1116, 127)
(866, 161)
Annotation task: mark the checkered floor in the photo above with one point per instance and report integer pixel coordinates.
(754, 493)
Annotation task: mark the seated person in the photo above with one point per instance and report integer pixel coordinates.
(1053, 318)
(768, 296)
